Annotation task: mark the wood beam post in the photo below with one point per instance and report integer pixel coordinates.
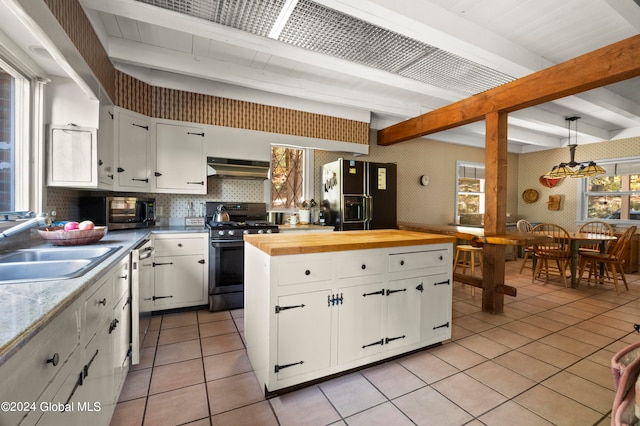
(495, 213)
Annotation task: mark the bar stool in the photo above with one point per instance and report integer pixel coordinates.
(468, 259)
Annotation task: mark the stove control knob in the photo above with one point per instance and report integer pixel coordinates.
(246, 231)
(260, 231)
(231, 232)
(268, 231)
(220, 232)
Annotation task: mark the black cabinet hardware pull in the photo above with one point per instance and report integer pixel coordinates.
(378, 342)
(284, 308)
(73, 391)
(420, 287)
(161, 297)
(113, 325)
(154, 264)
(364, 267)
(110, 176)
(124, 277)
(157, 174)
(54, 360)
(201, 261)
(120, 169)
(445, 325)
(126, 303)
(196, 183)
(381, 293)
(440, 257)
(197, 134)
(442, 283)
(86, 367)
(102, 302)
(395, 291)
(141, 180)
(335, 300)
(111, 114)
(402, 263)
(100, 162)
(307, 272)
(277, 368)
(138, 125)
(391, 339)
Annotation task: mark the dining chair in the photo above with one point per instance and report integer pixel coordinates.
(594, 227)
(612, 260)
(525, 226)
(554, 254)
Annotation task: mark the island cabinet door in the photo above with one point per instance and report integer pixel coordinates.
(360, 319)
(403, 312)
(304, 334)
(436, 308)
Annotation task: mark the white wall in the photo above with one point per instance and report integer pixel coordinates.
(67, 103)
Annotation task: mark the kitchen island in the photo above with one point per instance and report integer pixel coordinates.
(320, 304)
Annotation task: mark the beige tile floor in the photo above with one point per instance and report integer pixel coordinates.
(544, 361)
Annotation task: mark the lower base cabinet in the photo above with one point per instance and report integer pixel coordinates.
(72, 371)
(310, 316)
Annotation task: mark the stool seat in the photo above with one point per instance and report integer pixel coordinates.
(468, 259)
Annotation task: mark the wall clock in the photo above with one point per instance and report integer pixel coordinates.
(424, 180)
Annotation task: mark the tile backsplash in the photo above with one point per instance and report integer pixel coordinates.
(174, 207)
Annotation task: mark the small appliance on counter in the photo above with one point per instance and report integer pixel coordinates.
(118, 212)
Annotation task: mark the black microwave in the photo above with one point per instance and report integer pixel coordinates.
(118, 212)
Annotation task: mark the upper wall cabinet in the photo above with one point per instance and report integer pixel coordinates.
(132, 137)
(180, 163)
(106, 168)
(72, 157)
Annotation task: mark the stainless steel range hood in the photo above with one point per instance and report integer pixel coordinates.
(237, 169)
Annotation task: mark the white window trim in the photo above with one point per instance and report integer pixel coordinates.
(581, 195)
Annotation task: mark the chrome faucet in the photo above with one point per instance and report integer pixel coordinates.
(42, 219)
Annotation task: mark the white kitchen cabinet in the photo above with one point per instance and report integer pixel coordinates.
(72, 157)
(132, 138)
(120, 327)
(304, 333)
(180, 271)
(106, 141)
(309, 316)
(180, 164)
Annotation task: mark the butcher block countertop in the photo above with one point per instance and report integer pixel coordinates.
(320, 242)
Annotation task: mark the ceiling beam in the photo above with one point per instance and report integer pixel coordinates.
(608, 65)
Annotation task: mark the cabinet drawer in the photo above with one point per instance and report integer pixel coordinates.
(179, 244)
(359, 265)
(418, 260)
(305, 271)
(97, 307)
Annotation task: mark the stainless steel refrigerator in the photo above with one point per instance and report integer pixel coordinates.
(359, 195)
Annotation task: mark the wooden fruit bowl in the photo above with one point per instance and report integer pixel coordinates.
(59, 237)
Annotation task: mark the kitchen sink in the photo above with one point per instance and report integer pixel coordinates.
(50, 263)
(46, 254)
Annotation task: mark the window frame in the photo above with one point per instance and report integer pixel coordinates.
(582, 203)
(307, 174)
(27, 155)
(477, 165)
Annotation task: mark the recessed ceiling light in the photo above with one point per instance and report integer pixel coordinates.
(40, 51)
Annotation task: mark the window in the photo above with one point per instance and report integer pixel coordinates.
(614, 196)
(469, 192)
(287, 176)
(15, 95)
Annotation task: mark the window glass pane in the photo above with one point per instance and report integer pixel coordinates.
(469, 204)
(287, 165)
(7, 142)
(604, 184)
(616, 196)
(604, 207)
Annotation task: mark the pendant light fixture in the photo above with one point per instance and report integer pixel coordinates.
(572, 168)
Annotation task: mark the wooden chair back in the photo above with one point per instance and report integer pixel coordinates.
(595, 227)
(558, 246)
(617, 248)
(524, 226)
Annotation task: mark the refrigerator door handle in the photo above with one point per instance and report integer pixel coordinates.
(369, 204)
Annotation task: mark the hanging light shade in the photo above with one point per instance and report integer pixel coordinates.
(572, 168)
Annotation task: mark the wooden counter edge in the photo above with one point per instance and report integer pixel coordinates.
(279, 248)
(476, 236)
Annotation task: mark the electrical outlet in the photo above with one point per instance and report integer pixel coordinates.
(159, 211)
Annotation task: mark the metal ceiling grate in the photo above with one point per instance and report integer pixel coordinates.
(320, 29)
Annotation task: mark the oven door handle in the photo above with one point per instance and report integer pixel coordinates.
(227, 242)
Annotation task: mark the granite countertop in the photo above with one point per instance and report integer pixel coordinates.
(29, 306)
(320, 242)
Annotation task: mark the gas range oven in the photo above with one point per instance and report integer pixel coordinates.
(226, 250)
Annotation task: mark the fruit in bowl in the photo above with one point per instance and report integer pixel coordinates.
(86, 225)
(70, 226)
